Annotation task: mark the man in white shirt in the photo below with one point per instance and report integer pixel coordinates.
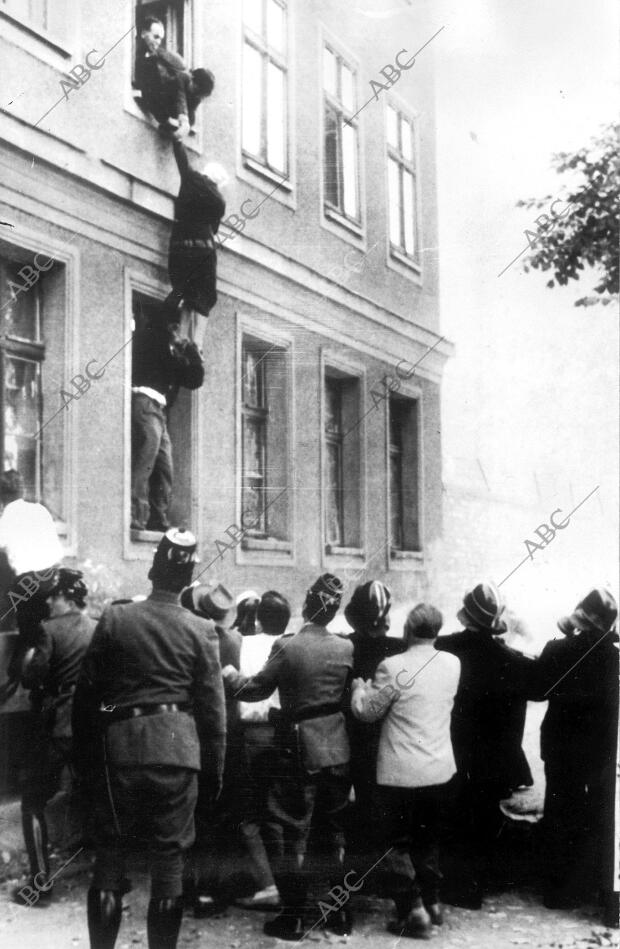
(413, 693)
(29, 539)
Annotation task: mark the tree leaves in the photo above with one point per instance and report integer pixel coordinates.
(589, 235)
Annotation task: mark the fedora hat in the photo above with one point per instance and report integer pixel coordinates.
(210, 599)
(482, 609)
(597, 611)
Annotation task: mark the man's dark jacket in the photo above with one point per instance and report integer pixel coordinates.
(149, 653)
(163, 364)
(59, 651)
(579, 677)
(494, 680)
(162, 78)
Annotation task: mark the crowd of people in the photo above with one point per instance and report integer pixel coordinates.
(329, 760)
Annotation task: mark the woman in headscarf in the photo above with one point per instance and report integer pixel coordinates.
(198, 210)
(493, 678)
(368, 612)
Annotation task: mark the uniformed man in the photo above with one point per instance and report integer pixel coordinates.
(151, 682)
(311, 671)
(51, 670)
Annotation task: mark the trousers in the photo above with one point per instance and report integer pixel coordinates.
(151, 464)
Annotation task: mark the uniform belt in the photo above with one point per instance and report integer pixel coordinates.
(118, 714)
(319, 711)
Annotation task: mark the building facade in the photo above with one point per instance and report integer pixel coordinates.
(300, 453)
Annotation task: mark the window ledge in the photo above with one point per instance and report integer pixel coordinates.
(406, 266)
(406, 554)
(337, 218)
(266, 543)
(133, 107)
(404, 258)
(333, 551)
(146, 537)
(274, 177)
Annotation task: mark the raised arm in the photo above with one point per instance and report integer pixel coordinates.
(180, 153)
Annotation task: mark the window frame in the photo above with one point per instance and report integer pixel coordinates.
(402, 558)
(24, 241)
(397, 258)
(330, 213)
(192, 27)
(335, 363)
(259, 164)
(269, 550)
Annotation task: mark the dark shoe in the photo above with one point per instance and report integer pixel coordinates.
(339, 922)
(435, 911)
(417, 925)
(29, 894)
(285, 926)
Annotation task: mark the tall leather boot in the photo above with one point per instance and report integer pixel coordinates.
(289, 923)
(104, 909)
(37, 892)
(163, 922)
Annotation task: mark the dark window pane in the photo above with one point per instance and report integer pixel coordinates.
(22, 419)
(334, 512)
(396, 499)
(19, 308)
(331, 158)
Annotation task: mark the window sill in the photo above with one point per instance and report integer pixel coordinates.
(405, 558)
(266, 543)
(335, 217)
(132, 106)
(146, 537)
(271, 184)
(404, 265)
(274, 177)
(333, 551)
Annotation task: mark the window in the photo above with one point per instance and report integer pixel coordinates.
(265, 81)
(172, 15)
(342, 461)
(402, 185)
(22, 352)
(341, 162)
(403, 465)
(264, 438)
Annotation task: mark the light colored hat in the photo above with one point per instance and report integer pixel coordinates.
(217, 173)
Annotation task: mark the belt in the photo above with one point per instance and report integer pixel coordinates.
(112, 713)
(319, 711)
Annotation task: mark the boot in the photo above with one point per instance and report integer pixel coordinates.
(34, 827)
(104, 908)
(416, 925)
(163, 921)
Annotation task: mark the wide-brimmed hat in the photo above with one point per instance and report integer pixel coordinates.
(597, 611)
(369, 606)
(210, 599)
(482, 609)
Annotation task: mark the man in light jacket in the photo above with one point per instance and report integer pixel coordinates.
(413, 693)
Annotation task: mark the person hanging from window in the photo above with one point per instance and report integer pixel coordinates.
(51, 669)
(163, 362)
(198, 210)
(170, 91)
(30, 541)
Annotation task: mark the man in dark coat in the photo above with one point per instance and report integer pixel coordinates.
(312, 672)
(198, 210)
(368, 612)
(162, 362)
(150, 700)
(51, 669)
(170, 91)
(493, 678)
(579, 677)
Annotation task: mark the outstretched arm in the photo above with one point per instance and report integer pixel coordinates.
(180, 153)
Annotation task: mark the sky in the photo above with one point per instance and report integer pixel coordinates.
(533, 383)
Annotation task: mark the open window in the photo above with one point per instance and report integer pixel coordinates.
(176, 20)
